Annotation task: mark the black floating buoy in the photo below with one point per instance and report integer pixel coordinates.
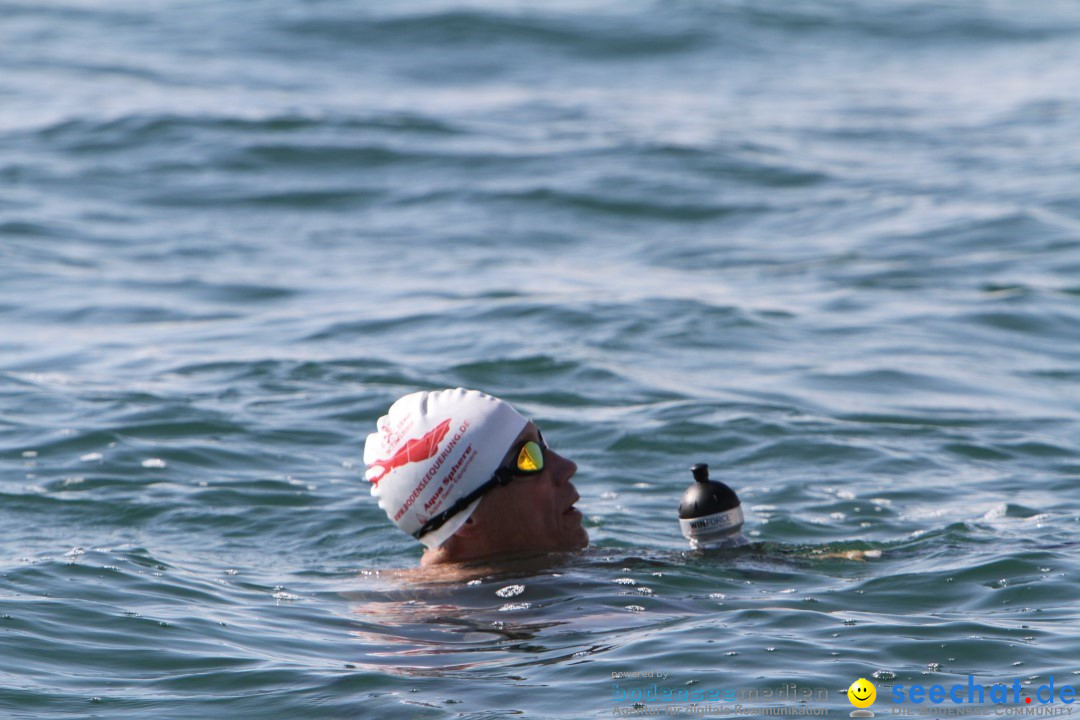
(710, 514)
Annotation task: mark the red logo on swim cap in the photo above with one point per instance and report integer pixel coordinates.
(414, 450)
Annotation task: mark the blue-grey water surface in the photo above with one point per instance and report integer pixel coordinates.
(831, 247)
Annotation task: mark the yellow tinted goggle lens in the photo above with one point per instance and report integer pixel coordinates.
(531, 457)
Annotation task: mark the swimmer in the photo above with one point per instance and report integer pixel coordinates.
(472, 479)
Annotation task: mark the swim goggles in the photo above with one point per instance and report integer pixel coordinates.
(529, 460)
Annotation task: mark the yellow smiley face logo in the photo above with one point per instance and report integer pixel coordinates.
(862, 693)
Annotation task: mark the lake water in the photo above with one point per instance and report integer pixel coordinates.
(830, 247)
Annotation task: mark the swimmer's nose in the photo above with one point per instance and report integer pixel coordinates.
(564, 468)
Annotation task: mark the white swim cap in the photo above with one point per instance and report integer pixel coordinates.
(434, 448)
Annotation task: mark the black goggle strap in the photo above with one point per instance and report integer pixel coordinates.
(502, 476)
(437, 521)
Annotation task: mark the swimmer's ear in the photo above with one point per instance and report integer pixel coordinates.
(469, 528)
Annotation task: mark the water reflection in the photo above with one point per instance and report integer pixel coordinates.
(562, 608)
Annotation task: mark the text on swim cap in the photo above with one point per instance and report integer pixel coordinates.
(460, 466)
(419, 489)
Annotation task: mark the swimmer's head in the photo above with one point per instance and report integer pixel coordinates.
(470, 477)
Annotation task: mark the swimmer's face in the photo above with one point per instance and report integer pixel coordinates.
(862, 693)
(533, 512)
